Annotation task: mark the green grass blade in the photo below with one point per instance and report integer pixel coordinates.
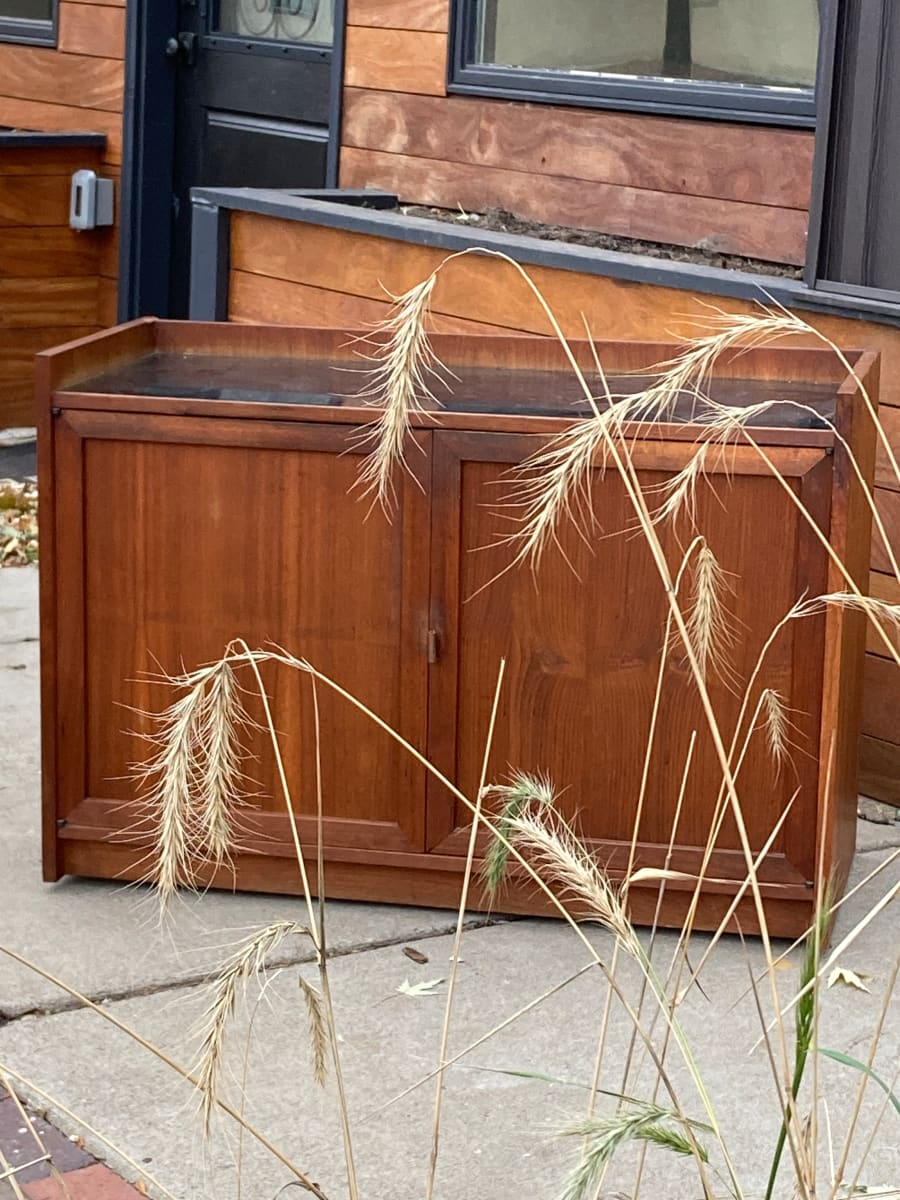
(848, 1060)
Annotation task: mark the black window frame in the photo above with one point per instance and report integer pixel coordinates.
(685, 98)
(31, 33)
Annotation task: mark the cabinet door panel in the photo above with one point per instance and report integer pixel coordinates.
(582, 636)
(188, 533)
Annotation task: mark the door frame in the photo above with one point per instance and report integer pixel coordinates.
(148, 151)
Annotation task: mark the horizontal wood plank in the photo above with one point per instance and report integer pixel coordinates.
(37, 252)
(255, 299)
(617, 308)
(97, 30)
(888, 505)
(879, 770)
(17, 350)
(752, 229)
(50, 77)
(881, 699)
(46, 303)
(704, 158)
(47, 160)
(396, 60)
(432, 15)
(43, 200)
(883, 587)
(63, 118)
(107, 301)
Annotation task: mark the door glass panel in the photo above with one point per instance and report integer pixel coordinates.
(759, 42)
(279, 20)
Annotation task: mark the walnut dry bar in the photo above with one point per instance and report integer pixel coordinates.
(197, 485)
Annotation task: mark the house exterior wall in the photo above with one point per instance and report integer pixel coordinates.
(50, 283)
(78, 86)
(736, 188)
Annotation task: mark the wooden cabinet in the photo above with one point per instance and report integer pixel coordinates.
(198, 486)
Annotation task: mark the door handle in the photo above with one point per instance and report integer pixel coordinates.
(434, 645)
(183, 47)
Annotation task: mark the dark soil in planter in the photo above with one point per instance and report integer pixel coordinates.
(498, 220)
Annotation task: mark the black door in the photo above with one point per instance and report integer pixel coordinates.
(251, 104)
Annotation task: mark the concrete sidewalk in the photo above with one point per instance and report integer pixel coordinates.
(499, 1131)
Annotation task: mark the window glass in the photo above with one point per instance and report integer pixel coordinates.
(756, 42)
(26, 10)
(280, 20)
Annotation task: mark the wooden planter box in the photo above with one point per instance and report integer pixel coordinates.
(272, 257)
(198, 485)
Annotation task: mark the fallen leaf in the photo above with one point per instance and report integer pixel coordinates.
(416, 955)
(424, 988)
(141, 1187)
(854, 979)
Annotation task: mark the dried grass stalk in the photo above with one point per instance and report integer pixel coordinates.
(561, 859)
(776, 725)
(554, 486)
(603, 1136)
(710, 626)
(190, 787)
(318, 1031)
(399, 385)
(523, 789)
(248, 962)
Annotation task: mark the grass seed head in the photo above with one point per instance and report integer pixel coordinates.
(399, 385)
(523, 789)
(248, 962)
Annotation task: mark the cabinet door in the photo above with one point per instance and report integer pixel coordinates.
(582, 637)
(178, 534)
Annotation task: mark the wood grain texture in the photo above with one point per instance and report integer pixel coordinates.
(427, 15)
(887, 502)
(362, 595)
(879, 769)
(26, 303)
(475, 288)
(53, 78)
(672, 155)
(46, 160)
(434, 882)
(43, 200)
(396, 60)
(757, 230)
(881, 699)
(568, 673)
(370, 637)
(49, 275)
(883, 587)
(256, 298)
(97, 30)
(63, 118)
(44, 253)
(363, 267)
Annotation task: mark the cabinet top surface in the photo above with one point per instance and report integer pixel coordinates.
(346, 383)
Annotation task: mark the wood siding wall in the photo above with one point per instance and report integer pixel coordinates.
(52, 287)
(734, 188)
(78, 86)
(290, 272)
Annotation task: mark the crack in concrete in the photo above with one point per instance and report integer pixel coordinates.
(67, 1004)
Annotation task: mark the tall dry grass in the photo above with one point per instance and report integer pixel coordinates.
(192, 792)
